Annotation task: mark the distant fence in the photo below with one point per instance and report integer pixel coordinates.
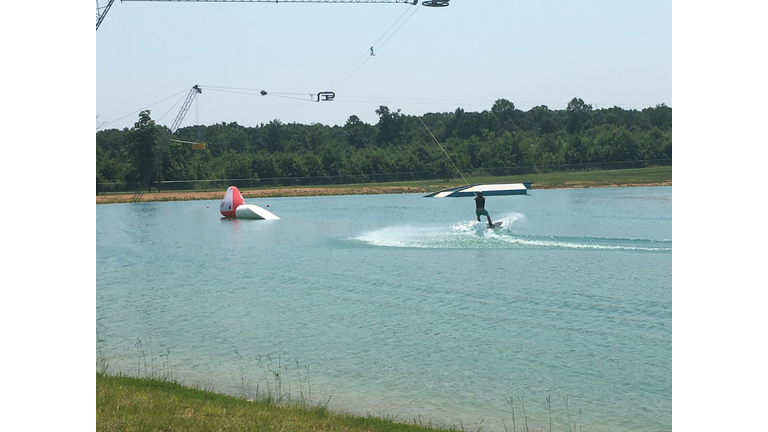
(222, 184)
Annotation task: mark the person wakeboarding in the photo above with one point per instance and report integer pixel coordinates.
(480, 208)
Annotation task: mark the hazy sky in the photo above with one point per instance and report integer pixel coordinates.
(469, 54)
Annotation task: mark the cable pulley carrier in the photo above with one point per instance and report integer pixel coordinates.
(326, 96)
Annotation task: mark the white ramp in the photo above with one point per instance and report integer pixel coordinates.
(486, 189)
(250, 211)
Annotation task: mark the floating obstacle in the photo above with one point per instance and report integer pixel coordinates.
(233, 205)
(486, 189)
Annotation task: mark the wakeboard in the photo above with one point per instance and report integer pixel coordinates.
(495, 225)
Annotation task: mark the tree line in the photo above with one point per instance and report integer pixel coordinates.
(503, 136)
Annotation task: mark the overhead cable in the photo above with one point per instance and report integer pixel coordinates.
(367, 56)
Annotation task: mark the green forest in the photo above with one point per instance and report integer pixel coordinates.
(502, 136)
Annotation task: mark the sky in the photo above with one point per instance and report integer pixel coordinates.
(59, 74)
(149, 54)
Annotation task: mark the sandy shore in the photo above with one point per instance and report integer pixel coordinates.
(259, 193)
(317, 191)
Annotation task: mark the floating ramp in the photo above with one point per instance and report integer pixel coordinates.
(250, 211)
(486, 189)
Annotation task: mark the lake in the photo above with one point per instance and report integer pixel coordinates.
(403, 307)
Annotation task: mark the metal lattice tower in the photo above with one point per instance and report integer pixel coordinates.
(101, 12)
(194, 91)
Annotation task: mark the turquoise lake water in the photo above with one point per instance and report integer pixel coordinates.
(403, 306)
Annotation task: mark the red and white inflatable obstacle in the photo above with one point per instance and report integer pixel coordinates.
(233, 205)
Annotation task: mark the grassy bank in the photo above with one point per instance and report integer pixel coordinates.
(139, 404)
(652, 176)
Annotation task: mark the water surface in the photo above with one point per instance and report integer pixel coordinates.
(403, 306)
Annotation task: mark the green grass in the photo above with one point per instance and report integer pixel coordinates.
(568, 179)
(150, 404)
(553, 180)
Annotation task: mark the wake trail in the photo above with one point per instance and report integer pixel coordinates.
(476, 235)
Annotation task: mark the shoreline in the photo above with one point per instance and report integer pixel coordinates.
(125, 402)
(328, 191)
